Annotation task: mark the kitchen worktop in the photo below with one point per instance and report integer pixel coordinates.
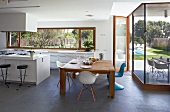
(21, 57)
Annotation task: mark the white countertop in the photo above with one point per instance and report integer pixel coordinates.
(22, 57)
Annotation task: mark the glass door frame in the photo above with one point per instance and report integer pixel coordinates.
(127, 42)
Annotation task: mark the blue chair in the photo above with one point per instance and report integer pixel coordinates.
(118, 74)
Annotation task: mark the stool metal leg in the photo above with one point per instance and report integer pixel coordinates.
(2, 74)
(6, 77)
(22, 77)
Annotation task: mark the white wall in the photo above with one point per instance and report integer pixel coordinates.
(104, 32)
(2, 40)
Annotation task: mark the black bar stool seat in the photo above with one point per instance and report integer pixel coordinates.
(22, 66)
(4, 76)
(5, 65)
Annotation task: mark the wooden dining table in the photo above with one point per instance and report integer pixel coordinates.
(103, 67)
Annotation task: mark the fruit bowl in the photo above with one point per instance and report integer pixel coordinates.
(93, 59)
(87, 62)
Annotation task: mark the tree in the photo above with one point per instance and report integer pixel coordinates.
(41, 38)
(152, 32)
(139, 29)
(86, 34)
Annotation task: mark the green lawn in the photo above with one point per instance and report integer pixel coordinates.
(154, 53)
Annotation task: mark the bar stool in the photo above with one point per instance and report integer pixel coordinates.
(4, 76)
(22, 76)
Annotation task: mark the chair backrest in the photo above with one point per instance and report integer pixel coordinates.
(59, 64)
(121, 71)
(159, 66)
(150, 62)
(87, 77)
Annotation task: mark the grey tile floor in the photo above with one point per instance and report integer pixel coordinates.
(46, 98)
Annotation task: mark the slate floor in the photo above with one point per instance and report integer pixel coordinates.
(46, 98)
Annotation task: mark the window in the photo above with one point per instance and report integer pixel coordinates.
(59, 38)
(13, 39)
(86, 35)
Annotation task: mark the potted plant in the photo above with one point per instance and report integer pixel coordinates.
(88, 45)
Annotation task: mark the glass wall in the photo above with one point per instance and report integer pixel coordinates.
(157, 42)
(138, 44)
(151, 43)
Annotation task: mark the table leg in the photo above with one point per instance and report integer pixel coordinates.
(74, 75)
(62, 81)
(168, 73)
(112, 83)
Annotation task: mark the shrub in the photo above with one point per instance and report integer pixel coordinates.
(160, 46)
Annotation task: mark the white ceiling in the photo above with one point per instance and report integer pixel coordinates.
(72, 10)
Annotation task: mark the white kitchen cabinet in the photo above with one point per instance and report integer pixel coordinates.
(37, 71)
(84, 54)
(53, 59)
(65, 56)
(2, 61)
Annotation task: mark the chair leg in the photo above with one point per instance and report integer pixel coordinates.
(92, 92)
(68, 80)
(72, 79)
(58, 83)
(69, 75)
(154, 74)
(118, 86)
(93, 89)
(80, 92)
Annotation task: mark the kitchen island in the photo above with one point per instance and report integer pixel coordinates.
(37, 71)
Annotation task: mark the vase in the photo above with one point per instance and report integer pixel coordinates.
(32, 54)
(87, 49)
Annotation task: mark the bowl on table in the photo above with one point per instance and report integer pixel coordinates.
(87, 62)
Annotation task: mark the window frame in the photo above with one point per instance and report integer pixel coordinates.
(79, 40)
(8, 40)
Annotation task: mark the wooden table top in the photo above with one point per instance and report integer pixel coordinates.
(100, 66)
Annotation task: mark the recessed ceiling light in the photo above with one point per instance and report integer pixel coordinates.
(89, 15)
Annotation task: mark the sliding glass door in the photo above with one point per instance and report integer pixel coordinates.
(120, 41)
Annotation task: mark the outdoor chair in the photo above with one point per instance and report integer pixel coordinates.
(160, 69)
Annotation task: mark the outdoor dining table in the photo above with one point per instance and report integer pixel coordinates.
(100, 67)
(166, 61)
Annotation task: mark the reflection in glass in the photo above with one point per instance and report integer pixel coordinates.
(120, 41)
